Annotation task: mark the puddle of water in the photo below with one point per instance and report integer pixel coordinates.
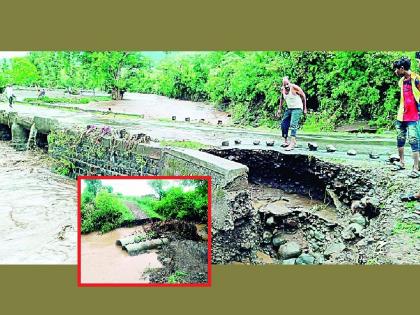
(105, 262)
(37, 210)
(277, 202)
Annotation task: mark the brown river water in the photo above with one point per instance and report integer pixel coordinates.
(104, 262)
(38, 210)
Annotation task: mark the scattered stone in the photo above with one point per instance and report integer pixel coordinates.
(289, 261)
(173, 117)
(270, 221)
(202, 120)
(219, 122)
(334, 249)
(289, 250)
(305, 259)
(318, 235)
(237, 141)
(352, 152)
(256, 142)
(187, 119)
(351, 231)
(359, 219)
(319, 258)
(267, 237)
(373, 156)
(331, 148)
(315, 247)
(225, 143)
(313, 146)
(394, 158)
(278, 240)
(270, 143)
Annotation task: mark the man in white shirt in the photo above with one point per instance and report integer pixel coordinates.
(296, 105)
(10, 95)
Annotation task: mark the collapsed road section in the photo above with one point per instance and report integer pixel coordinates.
(267, 206)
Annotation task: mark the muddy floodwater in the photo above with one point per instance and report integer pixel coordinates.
(38, 210)
(102, 261)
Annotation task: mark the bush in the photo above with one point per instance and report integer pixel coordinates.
(106, 213)
(342, 86)
(177, 204)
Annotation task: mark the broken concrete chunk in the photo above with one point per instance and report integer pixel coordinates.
(331, 148)
(269, 143)
(313, 146)
(352, 152)
(225, 143)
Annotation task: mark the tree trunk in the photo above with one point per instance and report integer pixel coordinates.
(116, 94)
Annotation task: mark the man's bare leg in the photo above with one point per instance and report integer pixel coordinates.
(416, 161)
(292, 144)
(401, 154)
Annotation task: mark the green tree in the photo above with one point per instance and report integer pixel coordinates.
(93, 186)
(158, 187)
(115, 70)
(23, 72)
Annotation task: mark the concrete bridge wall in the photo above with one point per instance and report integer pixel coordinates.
(88, 151)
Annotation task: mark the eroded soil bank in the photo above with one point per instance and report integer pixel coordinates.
(182, 260)
(37, 210)
(314, 211)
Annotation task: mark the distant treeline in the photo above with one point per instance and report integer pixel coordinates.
(341, 86)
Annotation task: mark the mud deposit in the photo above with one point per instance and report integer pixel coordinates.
(185, 257)
(37, 210)
(314, 211)
(104, 262)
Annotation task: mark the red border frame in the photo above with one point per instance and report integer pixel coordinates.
(79, 234)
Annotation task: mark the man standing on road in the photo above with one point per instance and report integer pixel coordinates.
(296, 105)
(408, 114)
(9, 94)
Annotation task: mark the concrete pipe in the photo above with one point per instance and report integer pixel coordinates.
(137, 248)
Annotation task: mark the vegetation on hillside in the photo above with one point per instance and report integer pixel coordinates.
(341, 86)
(103, 210)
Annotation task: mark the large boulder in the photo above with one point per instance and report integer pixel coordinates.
(289, 250)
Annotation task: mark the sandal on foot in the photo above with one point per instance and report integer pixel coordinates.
(289, 148)
(284, 145)
(397, 167)
(414, 174)
(406, 198)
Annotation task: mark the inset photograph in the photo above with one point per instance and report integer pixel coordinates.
(144, 231)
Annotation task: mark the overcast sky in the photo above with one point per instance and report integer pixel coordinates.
(11, 54)
(132, 187)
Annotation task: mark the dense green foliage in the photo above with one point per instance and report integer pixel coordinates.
(341, 86)
(178, 204)
(187, 201)
(106, 213)
(101, 210)
(111, 71)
